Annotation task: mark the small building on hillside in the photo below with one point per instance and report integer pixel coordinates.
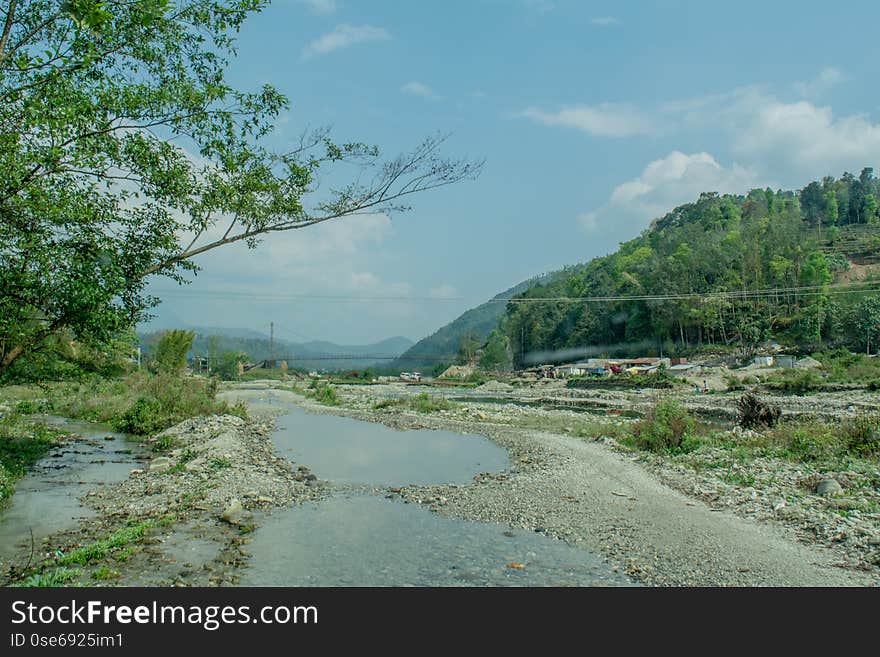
(571, 369)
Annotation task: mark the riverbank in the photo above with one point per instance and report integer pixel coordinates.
(659, 519)
(652, 516)
(182, 519)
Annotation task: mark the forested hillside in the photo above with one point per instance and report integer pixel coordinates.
(723, 270)
(443, 345)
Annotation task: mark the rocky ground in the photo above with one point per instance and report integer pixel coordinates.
(198, 504)
(697, 519)
(703, 518)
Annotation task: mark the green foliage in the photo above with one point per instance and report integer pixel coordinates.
(141, 403)
(22, 443)
(668, 427)
(425, 403)
(658, 379)
(324, 394)
(703, 255)
(226, 366)
(51, 578)
(101, 548)
(862, 434)
(170, 353)
(220, 463)
(61, 358)
(497, 354)
(120, 134)
(794, 382)
(105, 573)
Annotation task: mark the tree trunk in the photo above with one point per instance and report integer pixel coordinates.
(9, 358)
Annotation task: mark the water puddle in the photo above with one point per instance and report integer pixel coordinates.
(45, 500)
(344, 450)
(366, 540)
(371, 541)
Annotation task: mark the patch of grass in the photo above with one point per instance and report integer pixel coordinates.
(386, 403)
(862, 434)
(22, 443)
(658, 379)
(105, 573)
(141, 403)
(794, 382)
(123, 554)
(843, 366)
(424, 403)
(220, 463)
(185, 457)
(667, 427)
(323, 393)
(51, 578)
(101, 548)
(738, 478)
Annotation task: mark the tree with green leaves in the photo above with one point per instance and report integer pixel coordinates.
(124, 153)
(171, 351)
(497, 354)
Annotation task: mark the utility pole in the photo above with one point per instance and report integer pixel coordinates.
(271, 342)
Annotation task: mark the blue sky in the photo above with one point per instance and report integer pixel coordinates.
(593, 118)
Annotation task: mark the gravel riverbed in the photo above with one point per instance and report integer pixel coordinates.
(655, 519)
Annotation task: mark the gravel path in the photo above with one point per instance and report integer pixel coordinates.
(589, 495)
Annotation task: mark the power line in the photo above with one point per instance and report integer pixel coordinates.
(813, 290)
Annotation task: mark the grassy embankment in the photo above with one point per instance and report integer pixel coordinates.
(140, 403)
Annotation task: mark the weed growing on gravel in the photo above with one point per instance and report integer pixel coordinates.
(324, 393)
(424, 403)
(141, 403)
(51, 578)
(105, 573)
(100, 549)
(22, 443)
(667, 427)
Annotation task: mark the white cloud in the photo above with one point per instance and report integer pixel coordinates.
(828, 77)
(344, 36)
(664, 184)
(604, 120)
(797, 140)
(605, 21)
(444, 291)
(421, 90)
(320, 6)
(809, 137)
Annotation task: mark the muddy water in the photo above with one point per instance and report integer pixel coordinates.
(367, 540)
(45, 500)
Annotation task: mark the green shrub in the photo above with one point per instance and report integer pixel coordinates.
(324, 393)
(796, 382)
(668, 427)
(424, 403)
(807, 442)
(862, 434)
(171, 350)
(145, 417)
(51, 578)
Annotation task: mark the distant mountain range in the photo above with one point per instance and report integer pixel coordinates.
(312, 355)
(441, 347)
